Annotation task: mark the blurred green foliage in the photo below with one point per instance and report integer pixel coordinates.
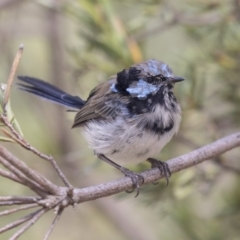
(200, 41)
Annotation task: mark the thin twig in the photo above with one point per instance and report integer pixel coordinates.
(20, 168)
(60, 173)
(19, 221)
(26, 181)
(218, 160)
(26, 199)
(10, 176)
(11, 203)
(10, 211)
(12, 74)
(53, 223)
(19, 139)
(33, 220)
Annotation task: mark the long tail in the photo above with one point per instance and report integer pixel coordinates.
(49, 92)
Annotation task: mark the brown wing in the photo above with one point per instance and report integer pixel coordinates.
(102, 103)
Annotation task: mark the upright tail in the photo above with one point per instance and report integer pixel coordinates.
(49, 92)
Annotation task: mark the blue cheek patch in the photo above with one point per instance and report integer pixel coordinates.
(113, 88)
(142, 89)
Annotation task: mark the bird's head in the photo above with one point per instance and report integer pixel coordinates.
(147, 78)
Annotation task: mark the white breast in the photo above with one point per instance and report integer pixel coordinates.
(123, 142)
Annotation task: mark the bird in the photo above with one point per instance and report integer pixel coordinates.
(127, 119)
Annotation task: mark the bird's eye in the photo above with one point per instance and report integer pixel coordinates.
(161, 78)
(150, 79)
(156, 79)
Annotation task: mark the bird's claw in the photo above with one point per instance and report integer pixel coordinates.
(163, 168)
(136, 178)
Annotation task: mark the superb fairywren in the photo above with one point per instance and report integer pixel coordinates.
(127, 119)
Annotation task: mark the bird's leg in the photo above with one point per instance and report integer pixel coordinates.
(163, 168)
(137, 179)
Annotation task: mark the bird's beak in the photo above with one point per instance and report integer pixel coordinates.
(176, 79)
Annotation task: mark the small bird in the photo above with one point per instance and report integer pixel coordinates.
(127, 119)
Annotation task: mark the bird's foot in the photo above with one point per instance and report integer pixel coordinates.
(163, 168)
(137, 179)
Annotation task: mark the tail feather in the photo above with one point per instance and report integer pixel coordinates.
(49, 92)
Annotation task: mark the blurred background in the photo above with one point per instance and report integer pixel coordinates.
(77, 44)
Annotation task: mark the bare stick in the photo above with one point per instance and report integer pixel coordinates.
(177, 164)
(26, 199)
(33, 186)
(19, 139)
(190, 159)
(10, 176)
(29, 224)
(12, 74)
(10, 211)
(53, 223)
(24, 169)
(60, 173)
(19, 221)
(10, 203)
(26, 181)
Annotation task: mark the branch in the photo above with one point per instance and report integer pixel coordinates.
(16, 136)
(64, 196)
(33, 219)
(19, 222)
(53, 224)
(219, 160)
(27, 175)
(27, 206)
(175, 165)
(12, 74)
